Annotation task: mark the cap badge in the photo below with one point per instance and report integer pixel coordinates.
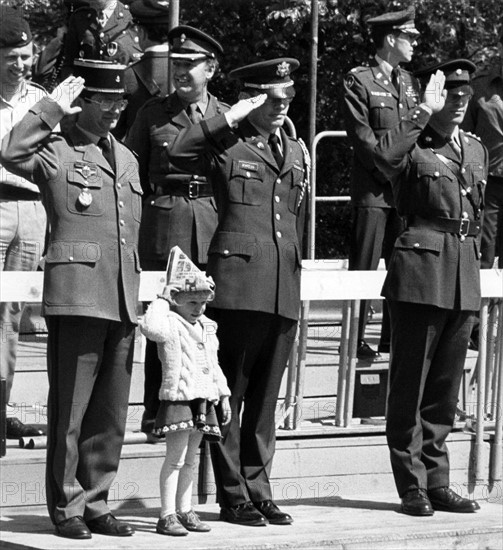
(182, 38)
(24, 36)
(163, 3)
(458, 71)
(117, 78)
(283, 69)
(112, 48)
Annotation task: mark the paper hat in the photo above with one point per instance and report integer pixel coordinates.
(184, 280)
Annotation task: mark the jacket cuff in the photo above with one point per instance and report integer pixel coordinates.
(49, 111)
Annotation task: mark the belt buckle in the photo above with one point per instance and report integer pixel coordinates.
(193, 190)
(464, 227)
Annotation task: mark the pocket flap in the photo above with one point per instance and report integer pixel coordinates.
(431, 241)
(229, 243)
(136, 186)
(73, 251)
(434, 170)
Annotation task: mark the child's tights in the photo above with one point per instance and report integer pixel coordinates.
(176, 473)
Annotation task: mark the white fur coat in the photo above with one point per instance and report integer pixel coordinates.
(179, 346)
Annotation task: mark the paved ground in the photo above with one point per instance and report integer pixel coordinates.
(360, 523)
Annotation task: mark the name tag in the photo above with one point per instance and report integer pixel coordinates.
(380, 94)
(250, 166)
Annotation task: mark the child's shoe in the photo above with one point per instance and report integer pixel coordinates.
(171, 526)
(190, 520)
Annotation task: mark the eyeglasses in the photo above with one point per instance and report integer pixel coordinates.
(279, 100)
(109, 104)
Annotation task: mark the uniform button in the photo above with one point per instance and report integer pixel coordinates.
(121, 204)
(463, 170)
(462, 238)
(468, 189)
(382, 104)
(414, 117)
(436, 174)
(417, 112)
(278, 234)
(119, 186)
(416, 245)
(278, 180)
(247, 174)
(276, 198)
(123, 241)
(206, 370)
(70, 258)
(102, 34)
(195, 176)
(135, 38)
(465, 215)
(278, 216)
(165, 144)
(226, 252)
(483, 181)
(200, 345)
(122, 222)
(463, 192)
(152, 203)
(400, 105)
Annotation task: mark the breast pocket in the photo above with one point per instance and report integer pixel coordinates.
(435, 182)
(383, 112)
(162, 141)
(85, 191)
(246, 182)
(296, 189)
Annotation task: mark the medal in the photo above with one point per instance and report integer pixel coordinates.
(85, 198)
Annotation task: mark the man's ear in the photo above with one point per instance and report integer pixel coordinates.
(390, 39)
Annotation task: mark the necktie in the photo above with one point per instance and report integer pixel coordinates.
(455, 146)
(395, 73)
(106, 148)
(276, 149)
(194, 113)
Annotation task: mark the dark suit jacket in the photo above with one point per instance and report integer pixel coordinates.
(92, 266)
(170, 220)
(255, 256)
(430, 181)
(374, 112)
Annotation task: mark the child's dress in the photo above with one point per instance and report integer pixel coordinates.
(192, 380)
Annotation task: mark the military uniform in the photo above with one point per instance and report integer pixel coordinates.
(485, 118)
(255, 260)
(90, 295)
(433, 289)
(374, 109)
(117, 41)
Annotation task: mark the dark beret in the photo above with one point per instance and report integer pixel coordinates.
(14, 29)
(100, 76)
(399, 20)
(271, 76)
(190, 43)
(150, 12)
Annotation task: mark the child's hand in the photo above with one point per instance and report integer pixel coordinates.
(226, 410)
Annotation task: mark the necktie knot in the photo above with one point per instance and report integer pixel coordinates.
(106, 148)
(194, 113)
(395, 74)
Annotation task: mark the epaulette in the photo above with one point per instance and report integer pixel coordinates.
(360, 69)
(470, 134)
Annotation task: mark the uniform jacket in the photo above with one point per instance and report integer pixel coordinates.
(485, 114)
(255, 255)
(170, 220)
(92, 267)
(116, 41)
(373, 113)
(430, 182)
(190, 368)
(144, 79)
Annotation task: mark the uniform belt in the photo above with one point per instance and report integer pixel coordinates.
(190, 189)
(12, 193)
(462, 226)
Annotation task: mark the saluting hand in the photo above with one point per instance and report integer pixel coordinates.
(65, 94)
(435, 94)
(240, 110)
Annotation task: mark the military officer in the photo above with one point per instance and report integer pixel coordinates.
(148, 77)
(180, 208)
(91, 187)
(259, 174)
(433, 284)
(103, 30)
(377, 98)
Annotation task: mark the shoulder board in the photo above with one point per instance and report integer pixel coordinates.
(224, 104)
(357, 70)
(469, 134)
(119, 143)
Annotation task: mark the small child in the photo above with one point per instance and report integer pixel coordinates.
(192, 384)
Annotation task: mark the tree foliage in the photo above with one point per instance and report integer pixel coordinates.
(251, 30)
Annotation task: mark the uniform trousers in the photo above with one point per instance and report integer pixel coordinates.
(428, 346)
(254, 350)
(89, 363)
(373, 235)
(492, 227)
(22, 238)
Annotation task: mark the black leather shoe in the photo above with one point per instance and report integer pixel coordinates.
(243, 514)
(73, 528)
(364, 351)
(110, 525)
(416, 503)
(16, 429)
(446, 500)
(270, 511)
